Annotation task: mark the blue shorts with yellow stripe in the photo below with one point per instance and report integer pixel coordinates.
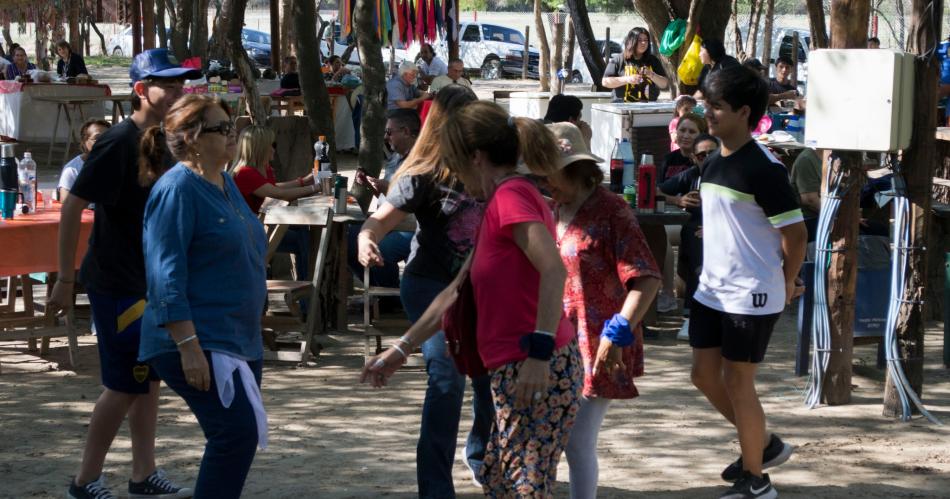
(118, 326)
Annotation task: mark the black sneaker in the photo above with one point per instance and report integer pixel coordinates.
(157, 485)
(775, 454)
(750, 486)
(96, 489)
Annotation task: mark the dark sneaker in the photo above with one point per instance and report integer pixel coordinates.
(157, 485)
(96, 489)
(775, 454)
(750, 486)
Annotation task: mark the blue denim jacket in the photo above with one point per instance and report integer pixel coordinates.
(204, 262)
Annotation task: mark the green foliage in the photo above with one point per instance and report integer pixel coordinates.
(469, 5)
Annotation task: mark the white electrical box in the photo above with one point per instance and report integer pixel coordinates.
(859, 99)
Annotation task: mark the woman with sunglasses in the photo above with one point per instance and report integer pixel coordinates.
(204, 265)
(683, 190)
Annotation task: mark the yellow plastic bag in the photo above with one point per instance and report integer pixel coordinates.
(691, 66)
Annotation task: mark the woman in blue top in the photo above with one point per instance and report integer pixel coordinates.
(20, 64)
(204, 264)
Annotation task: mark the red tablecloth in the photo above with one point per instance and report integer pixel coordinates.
(28, 243)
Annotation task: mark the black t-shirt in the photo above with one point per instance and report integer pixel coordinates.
(674, 163)
(646, 90)
(114, 264)
(448, 223)
(726, 62)
(683, 183)
(290, 80)
(780, 88)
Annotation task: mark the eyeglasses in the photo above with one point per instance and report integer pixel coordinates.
(701, 155)
(224, 128)
(389, 131)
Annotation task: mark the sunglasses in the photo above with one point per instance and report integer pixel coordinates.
(224, 128)
(702, 155)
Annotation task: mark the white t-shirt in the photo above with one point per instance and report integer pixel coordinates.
(443, 81)
(70, 172)
(437, 67)
(746, 199)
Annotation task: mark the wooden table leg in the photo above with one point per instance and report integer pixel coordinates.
(656, 240)
(52, 141)
(343, 278)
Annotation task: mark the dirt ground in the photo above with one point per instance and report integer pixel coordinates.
(333, 438)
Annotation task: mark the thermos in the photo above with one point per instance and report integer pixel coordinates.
(8, 169)
(646, 185)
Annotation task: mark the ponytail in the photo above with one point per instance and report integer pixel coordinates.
(537, 147)
(152, 150)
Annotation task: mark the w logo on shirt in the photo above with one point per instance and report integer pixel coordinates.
(759, 299)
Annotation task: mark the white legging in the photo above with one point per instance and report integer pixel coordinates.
(581, 448)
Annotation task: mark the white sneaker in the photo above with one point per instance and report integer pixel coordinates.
(684, 331)
(666, 303)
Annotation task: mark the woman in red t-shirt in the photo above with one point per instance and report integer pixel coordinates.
(254, 176)
(524, 340)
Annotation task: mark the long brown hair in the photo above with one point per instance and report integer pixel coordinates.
(485, 126)
(424, 158)
(177, 135)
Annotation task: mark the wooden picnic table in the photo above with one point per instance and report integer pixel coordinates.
(66, 105)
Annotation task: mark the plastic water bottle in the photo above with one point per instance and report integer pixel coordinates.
(27, 176)
(321, 155)
(796, 128)
(616, 168)
(629, 168)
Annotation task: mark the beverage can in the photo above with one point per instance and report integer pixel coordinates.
(630, 195)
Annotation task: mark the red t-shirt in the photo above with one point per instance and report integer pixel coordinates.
(248, 180)
(505, 282)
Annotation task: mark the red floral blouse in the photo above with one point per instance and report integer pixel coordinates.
(603, 249)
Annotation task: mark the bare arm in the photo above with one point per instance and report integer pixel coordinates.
(537, 244)
(386, 218)
(69, 224)
(794, 240)
(285, 193)
(619, 81)
(639, 299)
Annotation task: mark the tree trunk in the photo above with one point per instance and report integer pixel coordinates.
(184, 12)
(232, 16)
(312, 85)
(544, 65)
(557, 58)
(571, 43)
(275, 52)
(7, 37)
(288, 34)
(816, 19)
(136, 20)
(199, 29)
(216, 48)
(768, 33)
(148, 24)
(585, 38)
(753, 41)
(849, 26)
(374, 96)
(72, 18)
(740, 48)
(920, 160)
(160, 23)
(102, 38)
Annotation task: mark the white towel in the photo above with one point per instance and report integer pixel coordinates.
(224, 367)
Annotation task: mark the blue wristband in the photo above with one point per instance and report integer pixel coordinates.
(617, 330)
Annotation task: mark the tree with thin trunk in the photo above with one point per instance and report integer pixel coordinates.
(184, 12)
(708, 17)
(767, 33)
(288, 34)
(374, 95)
(755, 17)
(199, 29)
(593, 58)
(571, 44)
(544, 65)
(73, 16)
(920, 162)
(312, 85)
(816, 20)
(232, 17)
(92, 24)
(160, 23)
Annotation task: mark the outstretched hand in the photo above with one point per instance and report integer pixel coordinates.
(380, 368)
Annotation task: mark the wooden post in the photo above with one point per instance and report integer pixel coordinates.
(135, 17)
(920, 162)
(767, 34)
(454, 44)
(795, 42)
(816, 19)
(849, 24)
(527, 54)
(544, 64)
(557, 56)
(148, 24)
(275, 54)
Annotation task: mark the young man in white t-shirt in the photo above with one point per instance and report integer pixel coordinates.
(753, 246)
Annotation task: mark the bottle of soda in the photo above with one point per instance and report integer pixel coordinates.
(616, 169)
(321, 155)
(27, 179)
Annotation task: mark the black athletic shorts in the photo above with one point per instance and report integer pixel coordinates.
(742, 338)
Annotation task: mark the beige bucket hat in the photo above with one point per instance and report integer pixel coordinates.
(572, 144)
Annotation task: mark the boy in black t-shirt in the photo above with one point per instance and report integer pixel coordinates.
(113, 273)
(753, 247)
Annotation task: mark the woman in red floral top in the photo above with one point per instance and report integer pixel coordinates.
(612, 279)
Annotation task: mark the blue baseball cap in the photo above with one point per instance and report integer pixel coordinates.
(159, 63)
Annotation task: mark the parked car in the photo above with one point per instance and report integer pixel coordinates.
(495, 50)
(579, 72)
(257, 45)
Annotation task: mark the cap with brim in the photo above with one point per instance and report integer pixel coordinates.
(159, 64)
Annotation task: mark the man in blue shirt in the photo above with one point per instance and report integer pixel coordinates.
(401, 90)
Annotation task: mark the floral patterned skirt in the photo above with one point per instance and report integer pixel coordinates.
(522, 456)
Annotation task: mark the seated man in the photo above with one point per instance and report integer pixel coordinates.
(335, 69)
(806, 179)
(780, 87)
(568, 108)
(431, 66)
(401, 90)
(455, 75)
(402, 129)
(289, 77)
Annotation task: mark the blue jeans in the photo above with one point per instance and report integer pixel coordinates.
(395, 248)
(231, 433)
(442, 408)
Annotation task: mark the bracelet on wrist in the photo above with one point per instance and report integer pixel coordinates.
(404, 339)
(300, 181)
(400, 350)
(186, 340)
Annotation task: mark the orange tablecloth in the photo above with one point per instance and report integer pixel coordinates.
(28, 243)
